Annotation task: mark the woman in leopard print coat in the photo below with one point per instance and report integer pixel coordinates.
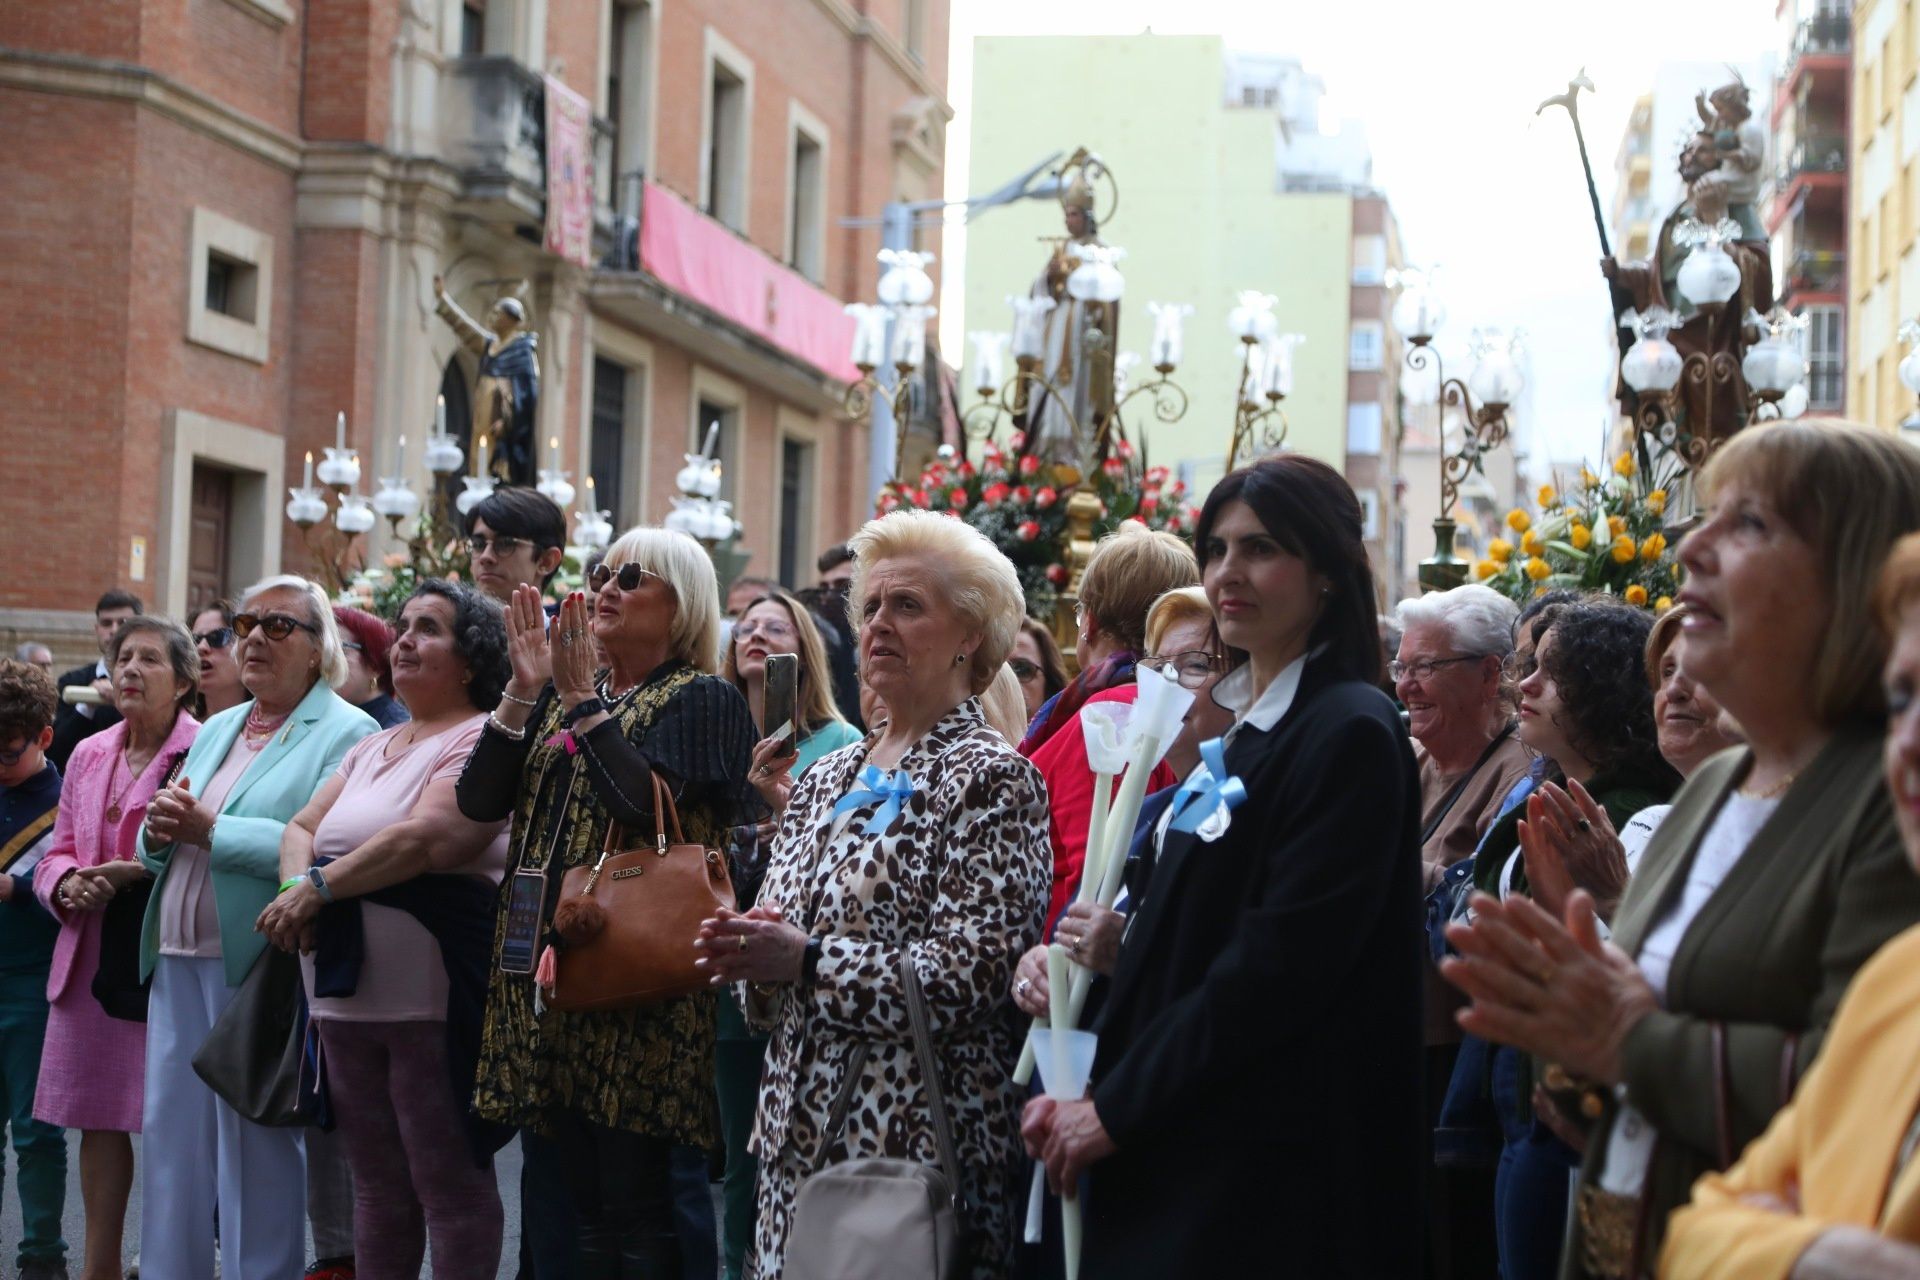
(930, 836)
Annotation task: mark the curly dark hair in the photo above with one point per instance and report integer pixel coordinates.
(27, 700)
(1597, 665)
(479, 636)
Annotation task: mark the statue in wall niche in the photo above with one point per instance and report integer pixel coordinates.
(506, 400)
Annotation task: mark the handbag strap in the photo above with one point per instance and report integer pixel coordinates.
(1460, 788)
(662, 830)
(930, 1072)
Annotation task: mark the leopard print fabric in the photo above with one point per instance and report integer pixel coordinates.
(960, 879)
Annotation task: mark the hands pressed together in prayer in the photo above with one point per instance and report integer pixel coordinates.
(751, 946)
(176, 816)
(1569, 843)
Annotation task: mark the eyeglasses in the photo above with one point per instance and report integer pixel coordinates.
(1192, 668)
(748, 630)
(1023, 669)
(502, 546)
(218, 638)
(354, 645)
(278, 626)
(1425, 667)
(8, 759)
(628, 577)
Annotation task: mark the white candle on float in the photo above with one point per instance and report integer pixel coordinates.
(713, 435)
(439, 415)
(480, 456)
(553, 447)
(400, 456)
(306, 481)
(340, 430)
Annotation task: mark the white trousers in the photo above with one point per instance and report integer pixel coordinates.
(199, 1156)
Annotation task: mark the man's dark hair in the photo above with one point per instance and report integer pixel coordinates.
(834, 556)
(479, 636)
(27, 700)
(118, 599)
(514, 511)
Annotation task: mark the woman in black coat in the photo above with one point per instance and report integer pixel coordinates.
(1256, 1093)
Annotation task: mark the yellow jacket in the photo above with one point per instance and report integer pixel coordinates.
(1836, 1142)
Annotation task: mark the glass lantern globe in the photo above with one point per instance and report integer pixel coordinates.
(1709, 276)
(396, 499)
(1910, 371)
(1651, 365)
(905, 282)
(1496, 381)
(1418, 313)
(1772, 368)
(1794, 403)
(1252, 319)
(354, 515)
(1097, 279)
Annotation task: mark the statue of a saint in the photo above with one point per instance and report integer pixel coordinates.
(507, 392)
(1722, 330)
(1082, 371)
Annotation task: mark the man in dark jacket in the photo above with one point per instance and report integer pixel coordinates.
(74, 722)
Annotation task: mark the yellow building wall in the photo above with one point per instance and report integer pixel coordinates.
(1199, 216)
(1883, 269)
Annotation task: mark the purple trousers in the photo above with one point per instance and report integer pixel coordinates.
(414, 1177)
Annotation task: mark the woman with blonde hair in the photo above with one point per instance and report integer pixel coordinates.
(925, 844)
(1778, 872)
(603, 1097)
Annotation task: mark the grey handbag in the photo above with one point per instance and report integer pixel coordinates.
(883, 1219)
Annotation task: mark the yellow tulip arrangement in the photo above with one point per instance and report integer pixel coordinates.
(1591, 534)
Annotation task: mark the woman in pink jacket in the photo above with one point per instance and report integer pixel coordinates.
(93, 1067)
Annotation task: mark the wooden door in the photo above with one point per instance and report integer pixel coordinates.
(212, 521)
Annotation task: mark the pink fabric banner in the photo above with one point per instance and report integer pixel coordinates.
(697, 256)
(569, 174)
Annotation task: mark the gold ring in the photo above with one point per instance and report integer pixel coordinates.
(1544, 976)
(743, 942)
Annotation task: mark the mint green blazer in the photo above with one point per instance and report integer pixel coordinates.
(245, 858)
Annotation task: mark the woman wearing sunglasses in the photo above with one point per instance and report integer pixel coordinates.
(602, 1098)
(220, 687)
(213, 839)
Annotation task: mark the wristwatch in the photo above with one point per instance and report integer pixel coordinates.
(586, 707)
(319, 882)
(810, 959)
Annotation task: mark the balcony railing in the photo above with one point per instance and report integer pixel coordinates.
(1817, 271)
(494, 114)
(1814, 155)
(1827, 33)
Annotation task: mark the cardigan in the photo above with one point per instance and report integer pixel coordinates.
(1823, 886)
(27, 815)
(244, 862)
(1836, 1142)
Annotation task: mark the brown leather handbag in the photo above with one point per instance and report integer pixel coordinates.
(653, 899)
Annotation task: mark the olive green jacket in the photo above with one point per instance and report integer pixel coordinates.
(1825, 882)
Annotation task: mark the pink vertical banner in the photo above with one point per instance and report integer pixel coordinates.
(569, 232)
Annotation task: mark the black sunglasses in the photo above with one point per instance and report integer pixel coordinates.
(218, 638)
(628, 578)
(278, 626)
(478, 543)
(1023, 669)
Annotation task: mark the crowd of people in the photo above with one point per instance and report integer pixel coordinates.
(1464, 941)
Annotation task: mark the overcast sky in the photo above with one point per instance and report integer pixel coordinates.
(1447, 92)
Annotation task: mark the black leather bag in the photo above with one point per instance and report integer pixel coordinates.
(116, 984)
(260, 1056)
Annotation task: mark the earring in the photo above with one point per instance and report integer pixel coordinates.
(959, 659)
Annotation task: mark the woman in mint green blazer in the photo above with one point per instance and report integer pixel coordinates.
(213, 840)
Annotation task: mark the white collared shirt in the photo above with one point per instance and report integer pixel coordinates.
(1235, 692)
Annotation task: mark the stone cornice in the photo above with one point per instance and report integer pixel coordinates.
(862, 27)
(144, 87)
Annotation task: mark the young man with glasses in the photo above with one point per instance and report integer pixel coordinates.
(73, 723)
(29, 800)
(515, 535)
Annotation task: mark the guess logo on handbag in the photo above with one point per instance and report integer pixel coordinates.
(629, 873)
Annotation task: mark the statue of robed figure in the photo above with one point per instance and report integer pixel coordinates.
(1077, 355)
(506, 398)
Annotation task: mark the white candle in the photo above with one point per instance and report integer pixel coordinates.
(713, 432)
(439, 415)
(307, 481)
(480, 457)
(340, 430)
(590, 508)
(553, 444)
(400, 457)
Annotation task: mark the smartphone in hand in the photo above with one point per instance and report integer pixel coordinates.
(783, 687)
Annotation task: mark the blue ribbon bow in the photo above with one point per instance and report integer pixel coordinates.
(1207, 788)
(891, 789)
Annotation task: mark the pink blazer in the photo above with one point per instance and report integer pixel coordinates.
(82, 837)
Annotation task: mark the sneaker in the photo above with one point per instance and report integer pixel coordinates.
(331, 1269)
(43, 1271)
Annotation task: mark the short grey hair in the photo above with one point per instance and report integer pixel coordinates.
(983, 586)
(1479, 619)
(333, 654)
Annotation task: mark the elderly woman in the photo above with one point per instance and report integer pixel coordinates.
(1267, 997)
(1568, 838)
(220, 686)
(927, 840)
(91, 1070)
(771, 623)
(1828, 1192)
(1130, 569)
(1037, 664)
(1778, 872)
(603, 1097)
(213, 839)
(369, 685)
(396, 889)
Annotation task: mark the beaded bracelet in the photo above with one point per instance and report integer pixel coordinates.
(499, 726)
(521, 702)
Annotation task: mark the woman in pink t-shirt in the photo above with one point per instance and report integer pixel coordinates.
(390, 893)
